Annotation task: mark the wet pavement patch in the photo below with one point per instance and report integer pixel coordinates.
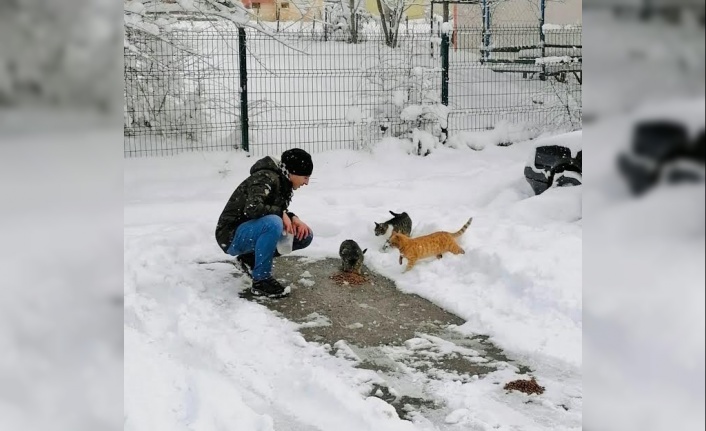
(382, 329)
(370, 314)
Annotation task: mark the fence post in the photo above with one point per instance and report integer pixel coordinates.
(354, 22)
(445, 64)
(242, 60)
(484, 35)
(431, 28)
(543, 74)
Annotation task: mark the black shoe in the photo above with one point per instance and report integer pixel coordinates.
(269, 287)
(246, 262)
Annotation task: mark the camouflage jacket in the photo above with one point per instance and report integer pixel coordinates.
(266, 191)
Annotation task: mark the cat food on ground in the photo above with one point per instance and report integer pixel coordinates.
(351, 278)
(526, 386)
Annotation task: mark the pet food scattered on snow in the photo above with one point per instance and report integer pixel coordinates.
(526, 386)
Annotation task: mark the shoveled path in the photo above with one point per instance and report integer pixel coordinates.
(383, 329)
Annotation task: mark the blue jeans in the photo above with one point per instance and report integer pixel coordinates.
(260, 236)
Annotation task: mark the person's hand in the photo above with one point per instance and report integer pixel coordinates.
(301, 230)
(288, 225)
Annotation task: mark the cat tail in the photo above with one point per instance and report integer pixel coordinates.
(395, 214)
(365, 250)
(463, 229)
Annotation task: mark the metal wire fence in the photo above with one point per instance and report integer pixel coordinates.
(519, 79)
(181, 92)
(338, 95)
(315, 90)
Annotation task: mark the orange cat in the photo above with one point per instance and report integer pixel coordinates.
(434, 244)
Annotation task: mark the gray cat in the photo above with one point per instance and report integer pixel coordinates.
(351, 256)
(400, 223)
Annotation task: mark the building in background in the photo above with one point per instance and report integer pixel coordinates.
(518, 12)
(418, 9)
(284, 10)
(288, 10)
(512, 22)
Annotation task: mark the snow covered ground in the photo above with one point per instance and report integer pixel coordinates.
(643, 262)
(61, 264)
(644, 309)
(644, 278)
(199, 357)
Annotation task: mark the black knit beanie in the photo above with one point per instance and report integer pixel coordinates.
(298, 162)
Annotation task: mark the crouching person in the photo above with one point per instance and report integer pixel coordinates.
(257, 214)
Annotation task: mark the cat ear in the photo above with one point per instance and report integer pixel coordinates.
(376, 224)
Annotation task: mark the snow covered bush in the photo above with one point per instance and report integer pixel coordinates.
(168, 76)
(400, 98)
(161, 93)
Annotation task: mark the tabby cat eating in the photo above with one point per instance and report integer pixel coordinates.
(351, 256)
